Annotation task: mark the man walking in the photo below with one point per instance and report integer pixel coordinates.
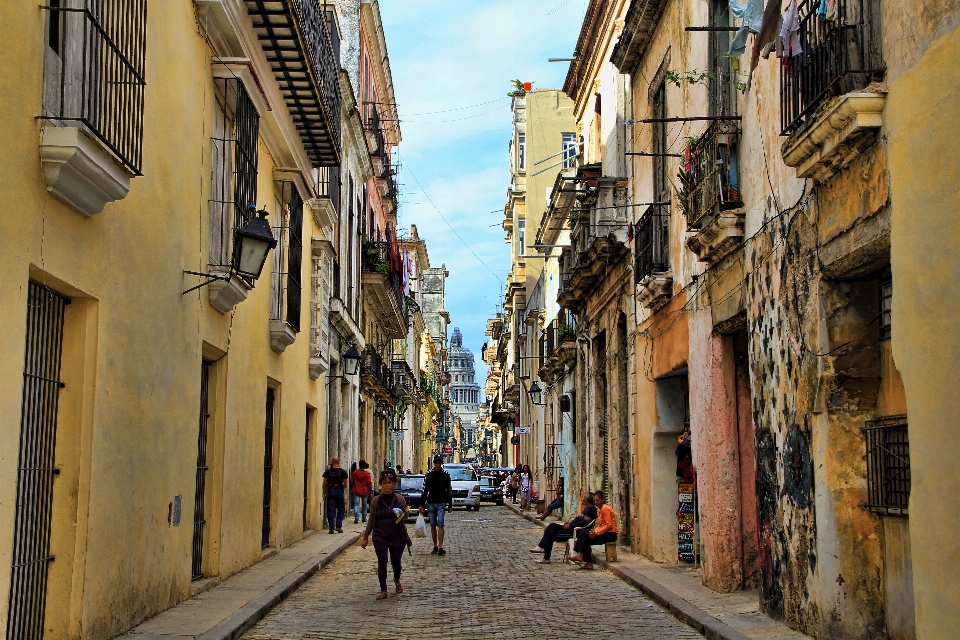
(334, 482)
(361, 482)
(438, 496)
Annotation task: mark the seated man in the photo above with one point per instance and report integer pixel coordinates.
(603, 532)
(556, 531)
(556, 504)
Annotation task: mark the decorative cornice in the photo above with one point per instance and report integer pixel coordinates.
(639, 26)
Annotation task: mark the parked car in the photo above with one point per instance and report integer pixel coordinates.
(411, 488)
(465, 485)
(490, 490)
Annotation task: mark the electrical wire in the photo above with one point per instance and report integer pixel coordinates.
(456, 119)
(437, 209)
(479, 104)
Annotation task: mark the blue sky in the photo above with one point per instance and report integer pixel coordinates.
(457, 57)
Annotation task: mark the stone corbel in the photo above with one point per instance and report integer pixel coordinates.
(79, 171)
(226, 294)
(655, 290)
(718, 236)
(836, 137)
(282, 335)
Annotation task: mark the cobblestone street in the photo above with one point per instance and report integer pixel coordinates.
(487, 586)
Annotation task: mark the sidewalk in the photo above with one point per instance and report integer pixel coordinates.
(677, 588)
(229, 609)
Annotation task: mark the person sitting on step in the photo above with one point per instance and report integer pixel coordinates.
(603, 532)
(563, 531)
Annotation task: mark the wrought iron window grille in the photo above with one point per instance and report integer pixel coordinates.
(97, 73)
(286, 287)
(33, 515)
(888, 465)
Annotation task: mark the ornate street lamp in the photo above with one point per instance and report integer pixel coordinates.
(351, 361)
(536, 394)
(252, 243)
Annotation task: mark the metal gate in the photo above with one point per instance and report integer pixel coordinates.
(35, 468)
(199, 517)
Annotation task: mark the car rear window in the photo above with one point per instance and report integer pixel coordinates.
(411, 483)
(462, 474)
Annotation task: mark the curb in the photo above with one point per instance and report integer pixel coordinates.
(256, 610)
(684, 611)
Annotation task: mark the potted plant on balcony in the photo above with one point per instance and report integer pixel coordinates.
(565, 333)
(381, 266)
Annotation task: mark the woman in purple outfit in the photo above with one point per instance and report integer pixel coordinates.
(387, 513)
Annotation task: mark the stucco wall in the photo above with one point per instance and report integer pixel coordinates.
(924, 173)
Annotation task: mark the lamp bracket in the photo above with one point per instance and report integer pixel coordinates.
(211, 278)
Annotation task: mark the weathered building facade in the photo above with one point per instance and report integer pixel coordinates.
(738, 365)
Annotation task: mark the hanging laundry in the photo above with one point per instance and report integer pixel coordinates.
(831, 9)
(822, 10)
(752, 15)
(790, 31)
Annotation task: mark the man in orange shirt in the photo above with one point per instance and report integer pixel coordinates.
(604, 531)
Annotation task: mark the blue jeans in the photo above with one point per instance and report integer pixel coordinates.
(556, 504)
(335, 508)
(361, 505)
(436, 512)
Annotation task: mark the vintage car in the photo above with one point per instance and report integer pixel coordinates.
(490, 490)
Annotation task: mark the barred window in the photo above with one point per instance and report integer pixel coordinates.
(888, 465)
(94, 70)
(886, 304)
(288, 229)
(236, 128)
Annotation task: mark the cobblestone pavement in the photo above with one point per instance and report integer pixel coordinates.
(487, 586)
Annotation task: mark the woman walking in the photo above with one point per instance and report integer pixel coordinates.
(526, 482)
(387, 513)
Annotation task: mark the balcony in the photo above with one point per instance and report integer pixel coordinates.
(405, 386)
(558, 347)
(376, 138)
(304, 56)
(597, 237)
(376, 375)
(382, 284)
(710, 198)
(326, 206)
(838, 56)
(652, 266)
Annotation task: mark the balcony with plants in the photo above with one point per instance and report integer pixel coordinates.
(558, 346)
(382, 276)
(708, 192)
(829, 109)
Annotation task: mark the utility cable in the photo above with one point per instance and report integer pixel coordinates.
(437, 209)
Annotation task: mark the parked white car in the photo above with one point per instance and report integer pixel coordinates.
(465, 485)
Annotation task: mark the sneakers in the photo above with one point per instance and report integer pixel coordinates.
(435, 551)
(441, 552)
(339, 530)
(536, 550)
(331, 531)
(542, 561)
(356, 521)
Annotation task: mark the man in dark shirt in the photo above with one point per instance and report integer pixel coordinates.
(438, 496)
(334, 482)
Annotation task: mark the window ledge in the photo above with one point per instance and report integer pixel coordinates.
(282, 335)
(323, 212)
(226, 294)
(718, 236)
(79, 171)
(836, 137)
(655, 291)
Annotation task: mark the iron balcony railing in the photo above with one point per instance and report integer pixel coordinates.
(373, 126)
(379, 257)
(99, 66)
(652, 237)
(711, 173)
(296, 37)
(838, 55)
(328, 185)
(374, 366)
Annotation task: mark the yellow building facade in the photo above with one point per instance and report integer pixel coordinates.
(185, 430)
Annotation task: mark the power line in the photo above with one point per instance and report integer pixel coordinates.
(479, 104)
(437, 209)
(456, 119)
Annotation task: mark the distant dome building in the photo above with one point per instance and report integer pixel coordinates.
(464, 390)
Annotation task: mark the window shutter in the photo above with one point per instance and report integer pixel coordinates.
(294, 260)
